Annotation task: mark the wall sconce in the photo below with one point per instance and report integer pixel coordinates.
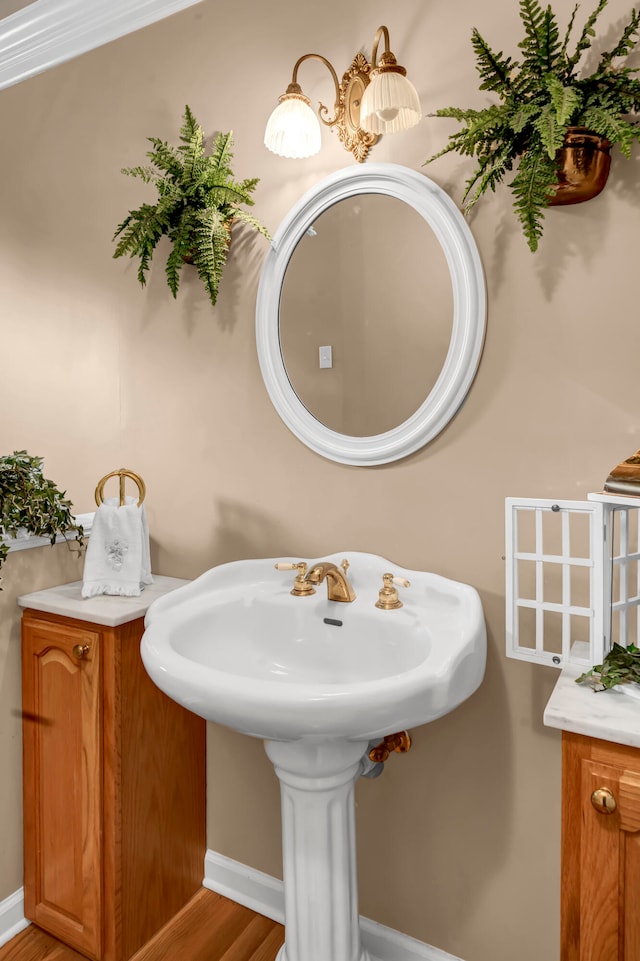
(374, 97)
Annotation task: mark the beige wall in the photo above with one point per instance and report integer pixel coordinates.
(459, 840)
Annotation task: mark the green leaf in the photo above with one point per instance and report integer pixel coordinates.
(531, 188)
(223, 153)
(246, 218)
(567, 36)
(587, 35)
(494, 71)
(541, 44)
(615, 129)
(145, 173)
(525, 116)
(565, 100)
(490, 171)
(165, 158)
(190, 129)
(553, 119)
(551, 134)
(625, 44)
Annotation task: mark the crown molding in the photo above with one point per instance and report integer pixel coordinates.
(48, 32)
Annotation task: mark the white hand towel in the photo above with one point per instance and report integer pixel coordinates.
(118, 559)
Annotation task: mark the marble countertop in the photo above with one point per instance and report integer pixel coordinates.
(108, 610)
(608, 715)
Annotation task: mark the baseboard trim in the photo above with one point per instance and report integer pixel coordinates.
(12, 919)
(263, 893)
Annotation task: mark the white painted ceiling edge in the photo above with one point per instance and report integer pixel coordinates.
(48, 32)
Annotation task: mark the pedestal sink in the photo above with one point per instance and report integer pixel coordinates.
(319, 682)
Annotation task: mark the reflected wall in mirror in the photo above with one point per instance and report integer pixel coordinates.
(385, 220)
(369, 280)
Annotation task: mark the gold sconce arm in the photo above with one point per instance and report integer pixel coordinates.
(380, 32)
(388, 61)
(295, 88)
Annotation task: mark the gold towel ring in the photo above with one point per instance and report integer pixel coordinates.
(122, 474)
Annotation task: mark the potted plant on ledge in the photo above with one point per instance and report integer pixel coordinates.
(31, 504)
(555, 123)
(198, 201)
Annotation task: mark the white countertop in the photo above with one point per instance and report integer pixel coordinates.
(608, 715)
(105, 609)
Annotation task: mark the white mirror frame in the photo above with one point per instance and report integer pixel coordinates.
(469, 314)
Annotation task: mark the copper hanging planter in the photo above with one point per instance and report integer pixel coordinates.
(583, 167)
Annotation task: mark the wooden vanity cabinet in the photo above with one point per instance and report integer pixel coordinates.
(600, 919)
(114, 788)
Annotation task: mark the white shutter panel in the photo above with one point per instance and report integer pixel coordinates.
(555, 590)
(622, 568)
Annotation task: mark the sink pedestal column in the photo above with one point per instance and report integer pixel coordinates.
(317, 780)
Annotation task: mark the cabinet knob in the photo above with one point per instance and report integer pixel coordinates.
(603, 800)
(80, 650)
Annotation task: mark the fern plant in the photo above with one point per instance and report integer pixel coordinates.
(31, 502)
(198, 201)
(541, 95)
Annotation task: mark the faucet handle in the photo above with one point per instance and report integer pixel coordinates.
(388, 599)
(301, 588)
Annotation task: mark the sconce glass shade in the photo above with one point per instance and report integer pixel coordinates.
(293, 129)
(390, 103)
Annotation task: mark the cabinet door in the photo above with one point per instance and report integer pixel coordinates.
(601, 852)
(61, 668)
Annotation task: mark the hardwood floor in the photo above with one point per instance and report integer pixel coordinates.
(209, 928)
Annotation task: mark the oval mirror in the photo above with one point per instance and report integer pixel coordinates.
(371, 314)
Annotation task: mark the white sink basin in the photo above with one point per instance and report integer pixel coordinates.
(318, 680)
(237, 648)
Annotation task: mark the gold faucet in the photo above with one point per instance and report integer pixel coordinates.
(338, 587)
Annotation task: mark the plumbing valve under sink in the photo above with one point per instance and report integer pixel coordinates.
(399, 742)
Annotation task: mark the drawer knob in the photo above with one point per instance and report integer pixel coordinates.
(80, 650)
(603, 801)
